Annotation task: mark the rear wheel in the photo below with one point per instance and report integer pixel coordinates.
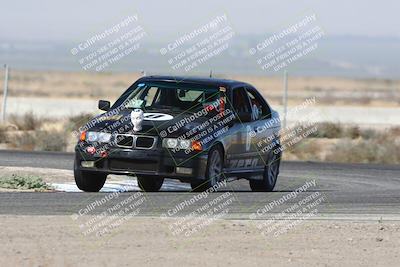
(89, 181)
(270, 176)
(213, 171)
(150, 183)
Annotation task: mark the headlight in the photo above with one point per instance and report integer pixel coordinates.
(92, 136)
(170, 142)
(173, 143)
(104, 137)
(98, 137)
(185, 144)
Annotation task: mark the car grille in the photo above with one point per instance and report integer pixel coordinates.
(124, 140)
(144, 142)
(135, 141)
(132, 165)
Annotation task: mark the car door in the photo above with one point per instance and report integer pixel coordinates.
(241, 152)
(265, 126)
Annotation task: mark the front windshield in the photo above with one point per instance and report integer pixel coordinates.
(168, 96)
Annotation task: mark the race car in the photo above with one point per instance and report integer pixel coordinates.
(197, 130)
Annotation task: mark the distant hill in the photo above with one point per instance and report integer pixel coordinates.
(342, 56)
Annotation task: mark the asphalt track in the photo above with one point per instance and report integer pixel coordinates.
(347, 189)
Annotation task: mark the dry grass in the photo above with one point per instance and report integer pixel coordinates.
(367, 92)
(3, 134)
(307, 150)
(40, 140)
(336, 130)
(29, 132)
(372, 151)
(22, 141)
(26, 122)
(337, 143)
(328, 130)
(383, 148)
(332, 142)
(75, 122)
(70, 84)
(51, 141)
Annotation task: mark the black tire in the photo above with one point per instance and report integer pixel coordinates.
(270, 176)
(213, 173)
(150, 184)
(89, 181)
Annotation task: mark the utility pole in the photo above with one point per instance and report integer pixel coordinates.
(285, 96)
(5, 94)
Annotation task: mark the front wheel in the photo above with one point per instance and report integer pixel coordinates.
(213, 171)
(149, 183)
(89, 181)
(270, 176)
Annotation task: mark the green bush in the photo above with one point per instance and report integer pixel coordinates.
(16, 181)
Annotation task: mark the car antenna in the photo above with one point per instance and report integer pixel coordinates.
(210, 73)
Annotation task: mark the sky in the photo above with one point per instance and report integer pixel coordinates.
(74, 20)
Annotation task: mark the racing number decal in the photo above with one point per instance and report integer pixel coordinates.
(150, 116)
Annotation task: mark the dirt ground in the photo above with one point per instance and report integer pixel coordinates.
(139, 241)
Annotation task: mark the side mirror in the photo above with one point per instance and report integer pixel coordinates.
(243, 116)
(104, 105)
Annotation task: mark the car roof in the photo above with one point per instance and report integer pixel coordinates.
(195, 80)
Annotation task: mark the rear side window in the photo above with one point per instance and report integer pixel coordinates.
(259, 107)
(240, 100)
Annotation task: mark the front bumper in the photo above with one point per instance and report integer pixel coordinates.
(156, 162)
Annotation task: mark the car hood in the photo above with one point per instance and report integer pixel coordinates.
(167, 123)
